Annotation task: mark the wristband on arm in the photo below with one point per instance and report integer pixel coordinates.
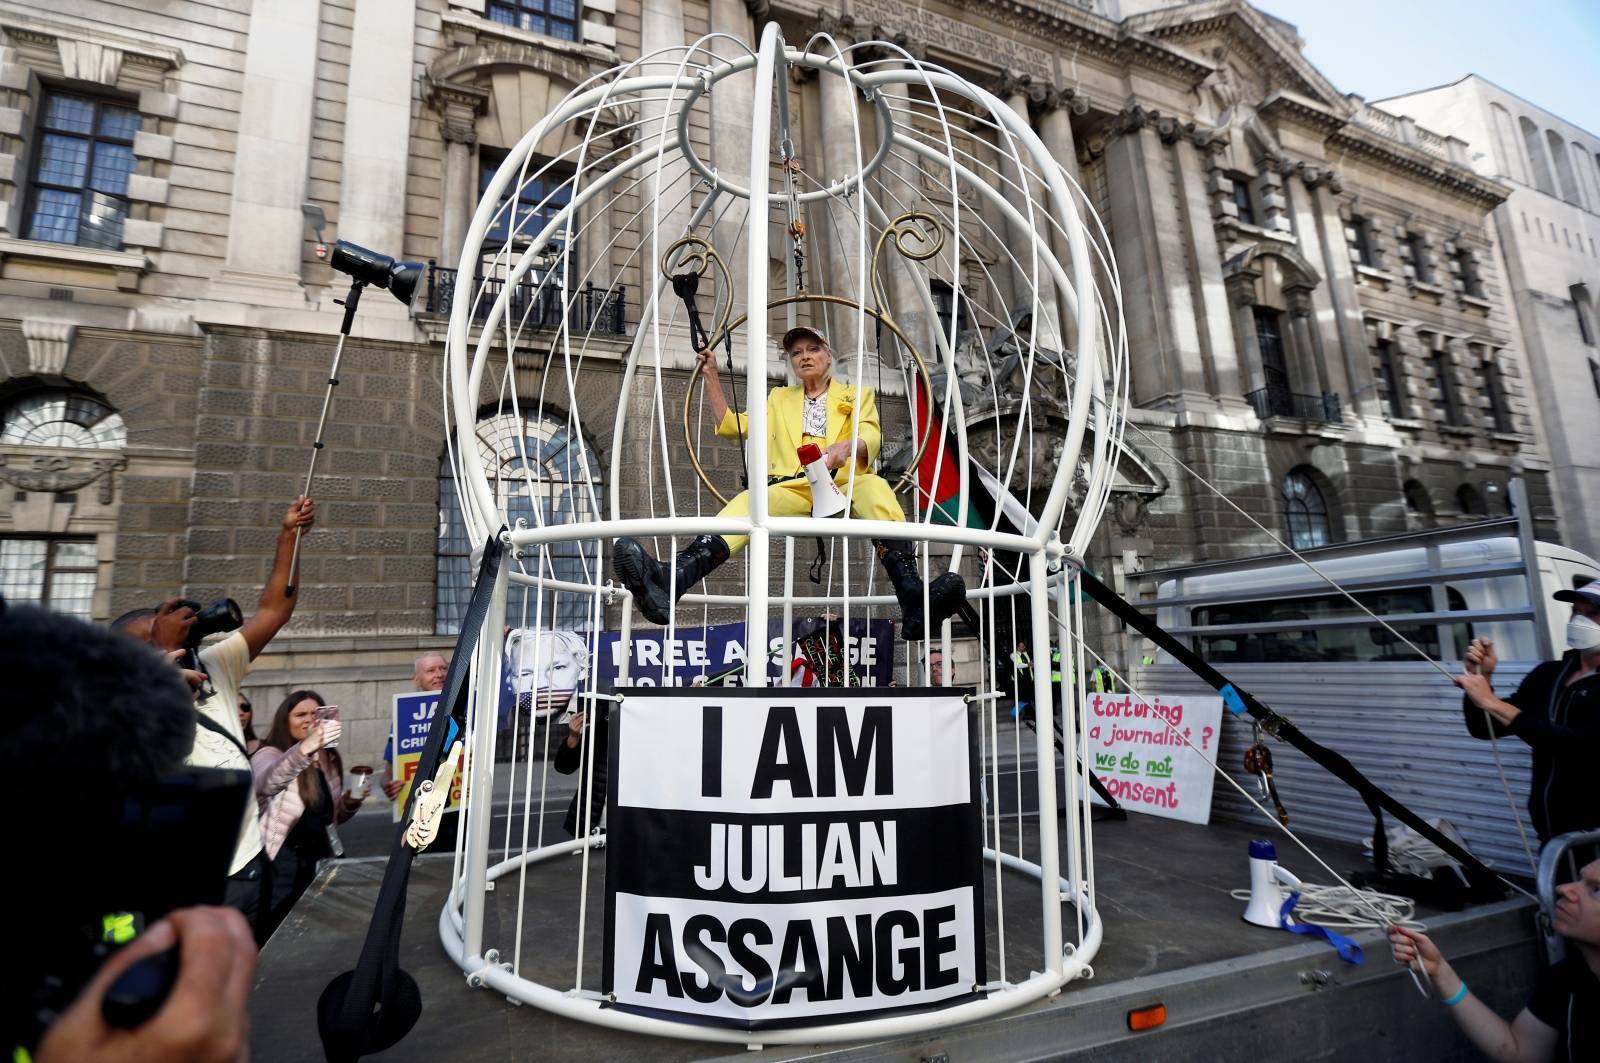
(1458, 997)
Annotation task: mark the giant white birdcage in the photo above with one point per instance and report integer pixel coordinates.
(949, 256)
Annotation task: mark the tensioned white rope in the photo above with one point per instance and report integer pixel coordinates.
(1494, 742)
(1239, 787)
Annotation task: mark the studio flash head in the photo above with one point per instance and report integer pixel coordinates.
(380, 271)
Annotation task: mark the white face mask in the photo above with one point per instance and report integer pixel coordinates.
(1583, 634)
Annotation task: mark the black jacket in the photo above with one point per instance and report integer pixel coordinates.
(569, 759)
(1562, 727)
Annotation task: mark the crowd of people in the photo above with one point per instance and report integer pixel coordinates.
(94, 686)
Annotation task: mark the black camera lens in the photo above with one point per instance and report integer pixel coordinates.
(219, 616)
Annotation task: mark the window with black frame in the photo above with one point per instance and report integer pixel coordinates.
(1354, 642)
(1243, 202)
(543, 473)
(542, 190)
(553, 18)
(57, 573)
(83, 157)
(1305, 512)
(1389, 377)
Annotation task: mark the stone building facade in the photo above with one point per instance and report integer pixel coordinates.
(1319, 325)
(1548, 230)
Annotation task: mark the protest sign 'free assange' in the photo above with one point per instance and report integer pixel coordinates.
(780, 856)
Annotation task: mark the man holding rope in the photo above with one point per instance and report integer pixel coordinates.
(820, 410)
(1555, 710)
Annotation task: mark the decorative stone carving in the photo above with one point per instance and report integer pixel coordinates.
(89, 61)
(49, 345)
(56, 470)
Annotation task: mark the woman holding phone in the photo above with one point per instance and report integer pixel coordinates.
(300, 789)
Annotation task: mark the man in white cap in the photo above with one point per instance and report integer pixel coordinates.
(1556, 710)
(842, 420)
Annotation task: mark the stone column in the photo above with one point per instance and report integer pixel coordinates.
(1211, 302)
(1308, 370)
(840, 116)
(731, 109)
(1341, 283)
(1308, 233)
(898, 186)
(377, 129)
(661, 26)
(1241, 291)
(1055, 109)
(1158, 300)
(459, 106)
(266, 231)
(1017, 187)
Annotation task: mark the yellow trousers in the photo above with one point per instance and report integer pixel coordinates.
(873, 500)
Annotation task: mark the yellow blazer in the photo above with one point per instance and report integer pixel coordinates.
(786, 420)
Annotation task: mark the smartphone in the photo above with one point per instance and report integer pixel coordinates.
(326, 712)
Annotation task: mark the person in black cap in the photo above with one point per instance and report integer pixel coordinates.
(842, 420)
(1556, 710)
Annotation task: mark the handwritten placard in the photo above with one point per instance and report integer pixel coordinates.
(1146, 766)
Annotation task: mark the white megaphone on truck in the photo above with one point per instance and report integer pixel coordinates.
(826, 498)
(1267, 880)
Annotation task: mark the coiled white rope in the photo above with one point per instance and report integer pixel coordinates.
(1348, 908)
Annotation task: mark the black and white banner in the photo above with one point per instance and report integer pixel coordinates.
(780, 856)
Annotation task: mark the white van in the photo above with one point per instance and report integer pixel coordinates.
(1275, 609)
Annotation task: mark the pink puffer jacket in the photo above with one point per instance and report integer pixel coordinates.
(277, 774)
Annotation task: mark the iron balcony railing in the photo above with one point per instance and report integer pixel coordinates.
(1281, 402)
(590, 309)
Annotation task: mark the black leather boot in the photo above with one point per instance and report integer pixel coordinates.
(945, 594)
(651, 582)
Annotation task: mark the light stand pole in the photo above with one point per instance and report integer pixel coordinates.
(349, 302)
(364, 267)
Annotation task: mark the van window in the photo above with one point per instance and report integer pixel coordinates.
(1357, 643)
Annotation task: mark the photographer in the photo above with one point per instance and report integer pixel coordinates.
(300, 784)
(219, 740)
(1562, 1020)
(1555, 710)
(81, 693)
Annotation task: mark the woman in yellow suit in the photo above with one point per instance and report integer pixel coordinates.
(819, 410)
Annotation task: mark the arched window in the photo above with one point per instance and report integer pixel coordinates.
(58, 417)
(1505, 138)
(543, 473)
(56, 571)
(1469, 500)
(1305, 512)
(1536, 157)
(1419, 504)
(1563, 167)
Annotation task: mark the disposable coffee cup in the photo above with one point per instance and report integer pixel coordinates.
(360, 780)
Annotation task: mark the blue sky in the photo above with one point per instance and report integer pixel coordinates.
(1545, 51)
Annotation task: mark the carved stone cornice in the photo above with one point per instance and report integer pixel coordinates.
(1010, 85)
(1045, 96)
(459, 106)
(1483, 191)
(841, 27)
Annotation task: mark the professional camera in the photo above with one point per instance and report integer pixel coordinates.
(219, 616)
(127, 834)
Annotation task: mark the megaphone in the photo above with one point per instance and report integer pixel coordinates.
(826, 498)
(1267, 880)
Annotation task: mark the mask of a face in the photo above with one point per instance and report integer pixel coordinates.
(1583, 634)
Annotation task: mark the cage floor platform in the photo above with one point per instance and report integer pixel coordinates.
(1172, 936)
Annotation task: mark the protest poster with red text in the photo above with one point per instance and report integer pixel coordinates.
(1146, 766)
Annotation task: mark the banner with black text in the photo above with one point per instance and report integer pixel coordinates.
(782, 856)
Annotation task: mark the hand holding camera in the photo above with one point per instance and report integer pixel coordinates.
(206, 1015)
(323, 736)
